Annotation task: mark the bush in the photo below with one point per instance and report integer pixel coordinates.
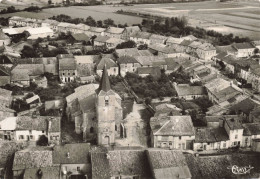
(42, 141)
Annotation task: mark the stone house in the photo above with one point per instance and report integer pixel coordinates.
(20, 76)
(206, 51)
(234, 130)
(157, 39)
(95, 31)
(4, 39)
(127, 64)
(114, 32)
(128, 31)
(141, 38)
(245, 49)
(112, 67)
(250, 133)
(67, 68)
(74, 160)
(187, 92)
(174, 132)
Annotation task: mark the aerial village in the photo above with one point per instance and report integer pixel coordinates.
(123, 103)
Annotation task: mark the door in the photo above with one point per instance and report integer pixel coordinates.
(189, 145)
(106, 140)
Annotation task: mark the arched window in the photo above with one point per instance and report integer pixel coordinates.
(91, 130)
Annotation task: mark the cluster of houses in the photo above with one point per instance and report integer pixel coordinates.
(96, 109)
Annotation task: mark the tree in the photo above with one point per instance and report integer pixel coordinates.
(90, 21)
(256, 51)
(99, 23)
(29, 52)
(128, 44)
(148, 101)
(49, 2)
(109, 22)
(42, 141)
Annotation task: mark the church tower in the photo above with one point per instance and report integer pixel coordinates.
(106, 111)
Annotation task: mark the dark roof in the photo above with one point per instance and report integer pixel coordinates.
(120, 162)
(126, 59)
(185, 42)
(47, 172)
(251, 129)
(104, 82)
(204, 135)
(80, 37)
(7, 149)
(246, 106)
(154, 71)
(67, 64)
(244, 45)
(4, 71)
(77, 153)
(168, 164)
(233, 123)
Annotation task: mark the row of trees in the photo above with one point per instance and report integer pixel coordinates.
(88, 21)
(12, 9)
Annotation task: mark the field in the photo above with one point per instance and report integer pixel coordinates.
(240, 18)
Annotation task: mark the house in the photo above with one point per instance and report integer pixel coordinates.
(127, 64)
(174, 42)
(130, 164)
(168, 164)
(100, 41)
(196, 71)
(67, 68)
(216, 121)
(128, 31)
(6, 112)
(141, 38)
(133, 52)
(250, 133)
(41, 81)
(53, 24)
(210, 139)
(30, 128)
(165, 50)
(11, 32)
(86, 65)
(146, 71)
(33, 101)
(245, 49)
(114, 32)
(63, 27)
(157, 39)
(113, 42)
(111, 66)
(5, 77)
(220, 90)
(206, 51)
(228, 60)
(4, 39)
(174, 132)
(234, 130)
(34, 70)
(40, 32)
(167, 109)
(80, 38)
(6, 97)
(96, 31)
(20, 76)
(74, 160)
(256, 43)
(37, 159)
(187, 92)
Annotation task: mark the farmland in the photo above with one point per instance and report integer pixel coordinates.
(239, 18)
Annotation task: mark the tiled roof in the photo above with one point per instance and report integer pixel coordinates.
(47, 172)
(217, 84)
(102, 39)
(114, 41)
(32, 159)
(114, 30)
(3, 36)
(34, 69)
(7, 149)
(80, 37)
(168, 164)
(126, 60)
(206, 46)
(176, 126)
(184, 90)
(20, 75)
(4, 71)
(120, 162)
(97, 29)
(154, 71)
(126, 52)
(173, 40)
(82, 92)
(204, 135)
(132, 29)
(245, 45)
(77, 153)
(141, 35)
(233, 123)
(185, 42)
(106, 61)
(251, 129)
(227, 93)
(67, 64)
(149, 60)
(157, 37)
(88, 59)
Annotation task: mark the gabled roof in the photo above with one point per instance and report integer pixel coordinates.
(20, 75)
(97, 29)
(131, 29)
(173, 126)
(184, 90)
(80, 37)
(114, 30)
(157, 37)
(47, 172)
(233, 123)
(67, 64)
(173, 40)
(39, 30)
(141, 35)
(126, 60)
(245, 45)
(168, 164)
(102, 39)
(251, 129)
(77, 153)
(87, 59)
(154, 71)
(126, 52)
(106, 61)
(123, 162)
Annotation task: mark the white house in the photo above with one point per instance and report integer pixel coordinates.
(245, 49)
(251, 132)
(234, 130)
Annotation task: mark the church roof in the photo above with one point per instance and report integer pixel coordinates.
(104, 84)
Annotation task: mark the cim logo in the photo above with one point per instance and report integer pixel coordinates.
(240, 170)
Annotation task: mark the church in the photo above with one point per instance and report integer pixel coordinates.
(96, 111)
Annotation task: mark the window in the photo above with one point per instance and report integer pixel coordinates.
(106, 103)
(180, 137)
(31, 136)
(115, 127)
(78, 169)
(170, 143)
(73, 73)
(30, 131)
(42, 131)
(236, 136)
(235, 143)
(21, 137)
(68, 73)
(224, 145)
(63, 73)
(91, 130)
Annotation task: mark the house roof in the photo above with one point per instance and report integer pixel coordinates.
(32, 158)
(106, 61)
(77, 153)
(151, 60)
(173, 40)
(3, 36)
(34, 69)
(141, 35)
(251, 129)
(154, 71)
(168, 164)
(114, 30)
(47, 172)
(123, 162)
(67, 64)
(8, 148)
(102, 39)
(126, 60)
(14, 31)
(131, 29)
(185, 42)
(126, 52)
(175, 126)
(87, 59)
(81, 37)
(246, 106)
(97, 29)
(157, 37)
(245, 45)
(212, 135)
(32, 99)
(206, 46)
(113, 40)
(217, 84)
(233, 123)
(39, 30)
(20, 75)
(184, 90)
(5, 71)
(190, 37)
